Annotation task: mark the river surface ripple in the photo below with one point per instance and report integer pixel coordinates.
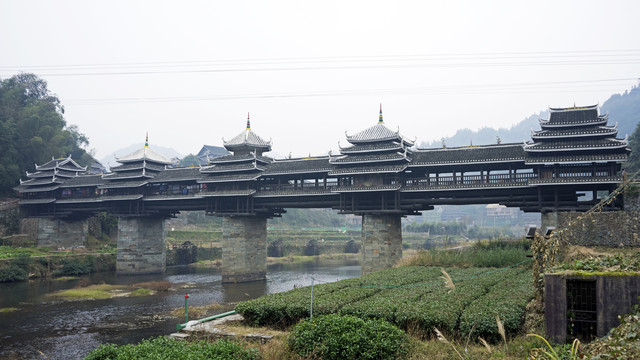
(46, 329)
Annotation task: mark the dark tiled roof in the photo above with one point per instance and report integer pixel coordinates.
(374, 147)
(227, 178)
(79, 200)
(372, 158)
(573, 114)
(377, 133)
(24, 189)
(42, 181)
(128, 175)
(573, 145)
(178, 174)
(247, 139)
(66, 163)
(610, 131)
(466, 155)
(138, 165)
(240, 158)
(375, 168)
(293, 166)
(231, 168)
(123, 184)
(144, 154)
(83, 180)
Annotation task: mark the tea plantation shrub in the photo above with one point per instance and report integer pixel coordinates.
(409, 297)
(335, 337)
(312, 248)
(164, 348)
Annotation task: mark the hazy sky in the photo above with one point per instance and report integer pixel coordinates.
(188, 72)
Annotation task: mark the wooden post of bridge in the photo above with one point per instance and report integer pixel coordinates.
(381, 242)
(244, 248)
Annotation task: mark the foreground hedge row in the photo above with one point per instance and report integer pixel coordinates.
(409, 297)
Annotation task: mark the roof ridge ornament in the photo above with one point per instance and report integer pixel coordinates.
(380, 120)
(146, 140)
(248, 122)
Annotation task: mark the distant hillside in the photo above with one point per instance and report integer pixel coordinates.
(622, 108)
(167, 152)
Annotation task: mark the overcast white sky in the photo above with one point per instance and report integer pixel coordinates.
(188, 72)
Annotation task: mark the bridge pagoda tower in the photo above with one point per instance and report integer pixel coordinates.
(232, 180)
(54, 228)
(369, 181)
(575, 142)
(141, 247)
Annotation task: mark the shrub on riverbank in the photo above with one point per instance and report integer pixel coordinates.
(165, 348)
(335, 337)
(481, 254)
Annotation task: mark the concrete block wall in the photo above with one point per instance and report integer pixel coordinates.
(141, 246)
(244, 249)
(57, 233)
(381, 242)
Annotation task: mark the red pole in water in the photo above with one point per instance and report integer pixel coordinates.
(186, 308)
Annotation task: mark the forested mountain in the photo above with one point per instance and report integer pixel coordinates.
(33, 129)
(622, 108)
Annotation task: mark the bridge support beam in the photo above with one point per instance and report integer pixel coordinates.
(141, 246)
(244, 249)
(381, 242)
(57, 233)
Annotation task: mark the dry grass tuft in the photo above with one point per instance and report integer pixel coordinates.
(154, 285)
(448, 283)
(485, 344)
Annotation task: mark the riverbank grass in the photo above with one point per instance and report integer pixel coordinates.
(8, 310)
(106, 291)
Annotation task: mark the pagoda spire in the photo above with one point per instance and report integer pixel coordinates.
(146, 140)
(380, 121)
(248, 122)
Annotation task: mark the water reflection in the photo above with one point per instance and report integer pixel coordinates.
(69, 330)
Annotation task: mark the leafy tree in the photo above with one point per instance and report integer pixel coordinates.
(633, 164)
(189, 160)
(33, 129)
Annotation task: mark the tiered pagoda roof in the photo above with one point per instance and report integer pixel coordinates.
(575, 133)
(374, 150)
(136, 168)
(51, 175)
(247, 141)
(245, 164)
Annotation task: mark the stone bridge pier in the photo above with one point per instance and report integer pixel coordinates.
(381, 242)
(57, 233)
(141, 246)
(244, 248)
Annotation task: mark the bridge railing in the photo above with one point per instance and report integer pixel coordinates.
(459, 180)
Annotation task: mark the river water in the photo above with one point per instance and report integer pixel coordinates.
(46, 329)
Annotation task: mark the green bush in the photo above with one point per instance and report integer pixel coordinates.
(348, 337)
(76, 266)
(164, 348)
(16, 269)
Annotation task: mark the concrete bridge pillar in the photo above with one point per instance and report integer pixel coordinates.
(381, 242)
(244, 248)
(141, 246)
(56, 233)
